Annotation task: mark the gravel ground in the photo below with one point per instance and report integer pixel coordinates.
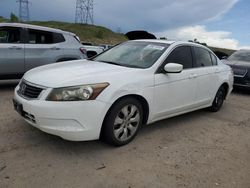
(199, 149)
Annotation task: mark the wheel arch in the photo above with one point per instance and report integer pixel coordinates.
(141, 99)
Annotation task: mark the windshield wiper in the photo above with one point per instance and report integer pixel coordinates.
(123, 65)
(112, 63)
(134, 66)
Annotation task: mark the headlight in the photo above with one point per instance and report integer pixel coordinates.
(77, 93)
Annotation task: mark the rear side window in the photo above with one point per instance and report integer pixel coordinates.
(40, 37)
(203, 57)
(214, 59)
(181, 55)
(10, 35)
(58, 38)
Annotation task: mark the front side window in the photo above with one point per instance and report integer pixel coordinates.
(40, 37)
(137, 54)
(10, 35)
(181, 55)
(203, 58)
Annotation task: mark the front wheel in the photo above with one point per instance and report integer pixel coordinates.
(123, 122)
(218, 100)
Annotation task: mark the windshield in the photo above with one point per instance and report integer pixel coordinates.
(133, 54)
(240, 56)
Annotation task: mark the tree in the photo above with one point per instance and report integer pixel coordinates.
(13, 17)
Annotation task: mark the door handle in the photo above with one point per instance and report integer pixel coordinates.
(15, 48)
(191, 76)
(55, 48)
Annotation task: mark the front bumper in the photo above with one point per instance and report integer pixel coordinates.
(243, 82)
(75, 121)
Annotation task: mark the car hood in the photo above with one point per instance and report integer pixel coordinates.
(78, 72)
(238, 63)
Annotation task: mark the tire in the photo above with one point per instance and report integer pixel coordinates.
(123, 121)
(218, 100)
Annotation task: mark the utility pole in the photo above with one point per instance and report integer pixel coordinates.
(24, 10)
(84, 12)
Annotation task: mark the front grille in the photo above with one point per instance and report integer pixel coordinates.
(29, 91)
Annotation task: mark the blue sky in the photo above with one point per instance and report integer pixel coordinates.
(221, 23)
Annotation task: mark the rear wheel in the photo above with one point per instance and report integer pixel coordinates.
(123, 122)
(218, 100)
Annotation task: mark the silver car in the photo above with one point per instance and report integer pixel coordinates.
(23, 47)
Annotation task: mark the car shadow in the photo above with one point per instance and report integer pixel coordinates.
(241, 91)
(6, 85)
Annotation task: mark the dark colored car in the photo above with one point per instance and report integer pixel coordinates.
(240, 63)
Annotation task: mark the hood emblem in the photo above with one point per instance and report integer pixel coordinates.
(23, 88)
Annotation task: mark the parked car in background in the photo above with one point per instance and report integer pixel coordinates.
(106, 46)
(91, 49)
(240, 63)
(23, 47)
(112, 95)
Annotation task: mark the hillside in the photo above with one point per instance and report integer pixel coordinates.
(223, 50)
(87, 33)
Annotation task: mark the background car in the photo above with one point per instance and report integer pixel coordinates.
(91, 49)
(240, 63)
(23, 47)
(113, 94)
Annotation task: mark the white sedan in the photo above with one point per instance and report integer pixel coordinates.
(112, 95)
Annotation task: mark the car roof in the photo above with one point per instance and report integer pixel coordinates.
(29, 26)
(172, 42)
(156, 41)
(176, 43)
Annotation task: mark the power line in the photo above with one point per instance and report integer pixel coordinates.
(84, 12)
(24, 10)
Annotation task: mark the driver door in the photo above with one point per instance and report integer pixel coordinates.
(175, 92)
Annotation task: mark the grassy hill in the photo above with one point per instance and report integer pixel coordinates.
(87, 33)
(226, 51)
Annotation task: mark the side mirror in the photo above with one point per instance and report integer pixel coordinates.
(173, 68)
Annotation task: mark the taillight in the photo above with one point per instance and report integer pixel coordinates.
(83, 50)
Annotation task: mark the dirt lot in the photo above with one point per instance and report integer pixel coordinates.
(199, 149)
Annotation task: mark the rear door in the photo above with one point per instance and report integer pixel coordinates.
(40, 49)
(11, 52)
(207, 75)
